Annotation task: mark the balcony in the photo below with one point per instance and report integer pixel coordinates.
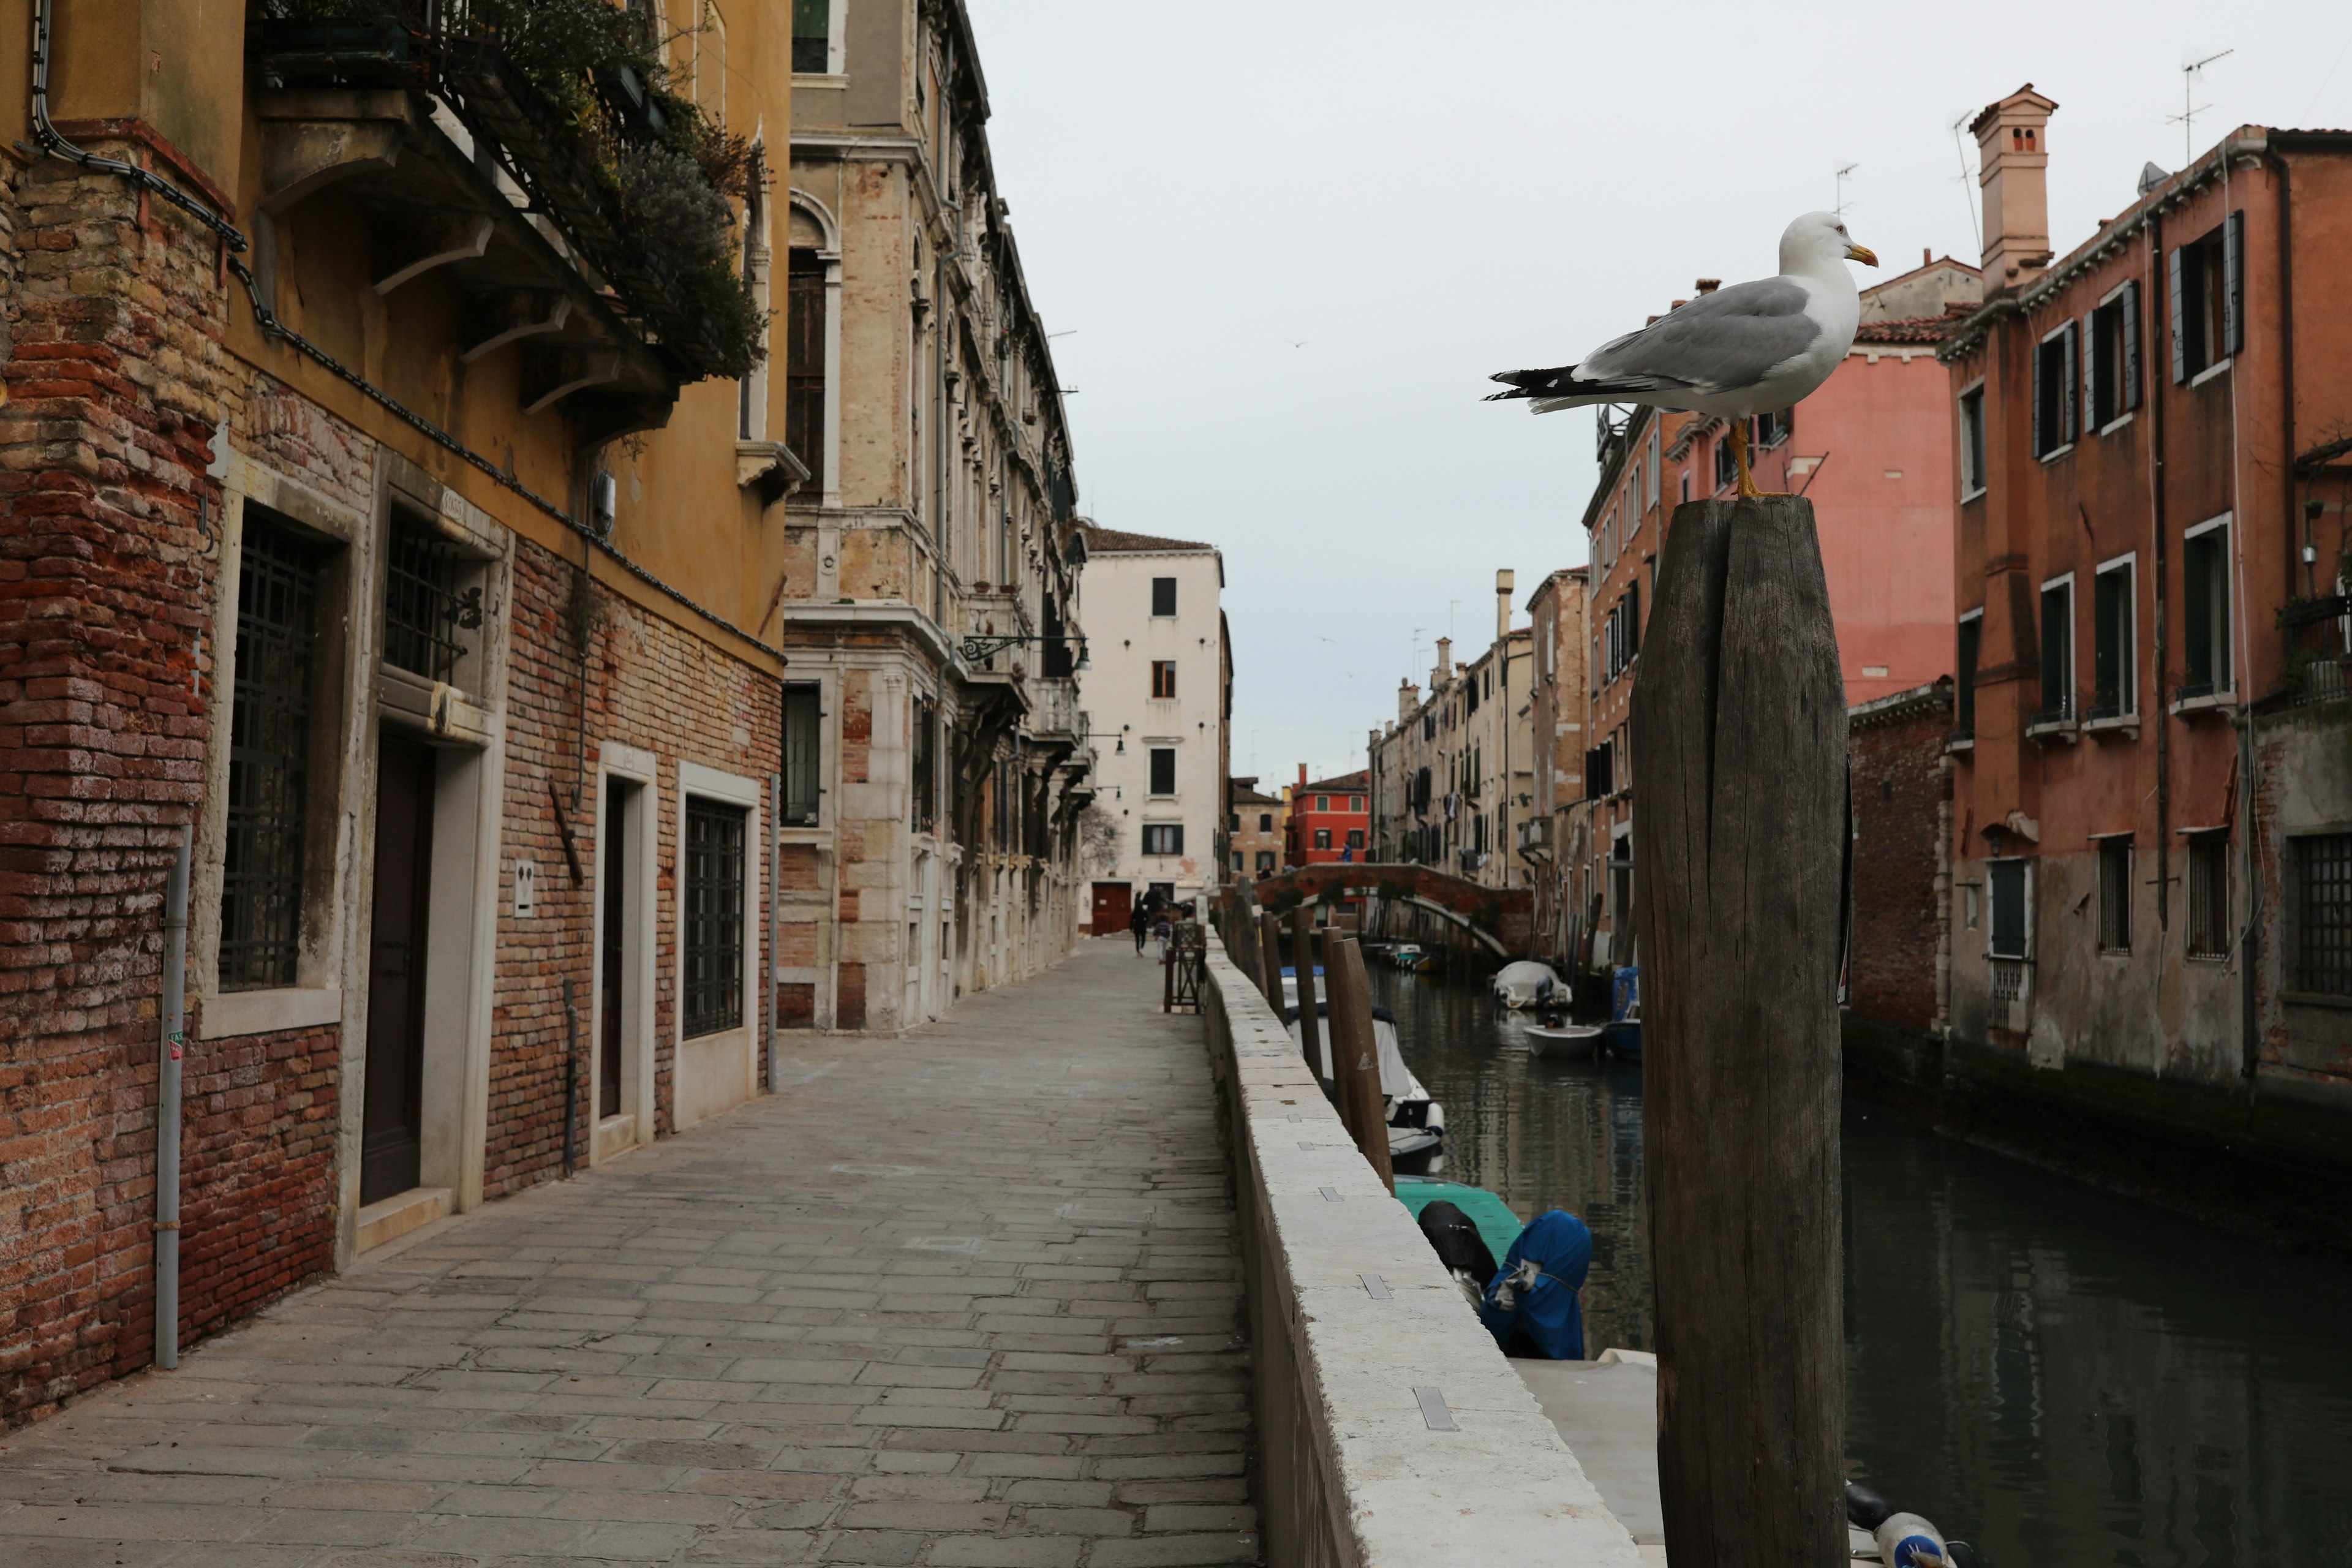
(581, 211)
(2056, 724)
(1960, 740)
(1535, 834)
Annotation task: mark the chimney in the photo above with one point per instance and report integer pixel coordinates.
(1504, 580)
(2013, 169)
(1408, 698)
(1708, 285)
(1444, 664)
(1302, 776)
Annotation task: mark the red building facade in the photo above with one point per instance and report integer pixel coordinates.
(1329, 820)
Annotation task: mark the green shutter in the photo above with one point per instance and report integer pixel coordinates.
(2234, 284)
(2131, 346)
(2180, 340)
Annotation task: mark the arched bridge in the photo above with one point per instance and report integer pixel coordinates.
(1500, 919)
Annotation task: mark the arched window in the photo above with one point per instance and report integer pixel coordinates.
(808, 334)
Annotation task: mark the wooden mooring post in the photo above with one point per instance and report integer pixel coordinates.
(1356, 1053)
(1740, 745)
(1302, 959)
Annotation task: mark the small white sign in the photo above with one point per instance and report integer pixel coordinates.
(525, 889)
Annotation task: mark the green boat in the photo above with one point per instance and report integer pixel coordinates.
(1497, 1226)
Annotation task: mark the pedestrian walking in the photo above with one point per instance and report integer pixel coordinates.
(1163, 928)
(1139, 922)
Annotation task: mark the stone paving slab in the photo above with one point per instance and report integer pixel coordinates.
(968, 1299)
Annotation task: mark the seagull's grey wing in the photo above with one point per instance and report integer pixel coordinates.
(1720, 341)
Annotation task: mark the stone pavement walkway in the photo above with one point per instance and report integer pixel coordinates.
(970, 1298)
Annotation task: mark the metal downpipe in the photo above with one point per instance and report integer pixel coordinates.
(167, 1110)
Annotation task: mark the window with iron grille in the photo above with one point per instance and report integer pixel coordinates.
(2323, 914)
(2115, 895)
(714, 917)
(426, 603)
(803, 749)
(2208, 896)
(268, 748)
(924, 774)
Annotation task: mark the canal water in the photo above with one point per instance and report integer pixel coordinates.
(2061, 1376)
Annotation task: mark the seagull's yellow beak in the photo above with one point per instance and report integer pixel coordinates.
(1862, 254)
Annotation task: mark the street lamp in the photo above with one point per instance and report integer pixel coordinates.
(989, 645)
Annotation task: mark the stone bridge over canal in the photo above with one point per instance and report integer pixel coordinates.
(1501, 920)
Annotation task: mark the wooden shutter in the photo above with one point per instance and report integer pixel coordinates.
(2234, 284)
(2131, 346)
(2180, 343)
(2070, 383)
(2034, 374)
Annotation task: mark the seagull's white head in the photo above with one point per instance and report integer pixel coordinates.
(1816, 243)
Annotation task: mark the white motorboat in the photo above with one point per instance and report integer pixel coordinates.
(1523, 983)
(1565, 1042)
(1416, 1122)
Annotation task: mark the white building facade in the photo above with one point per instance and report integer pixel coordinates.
(1154, 687)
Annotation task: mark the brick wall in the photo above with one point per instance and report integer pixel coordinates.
(114, 376)
(1902, 801)
(652, 686)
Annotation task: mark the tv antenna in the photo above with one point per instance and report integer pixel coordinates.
(2189, 111)
(1961, 147)
(1842, 176)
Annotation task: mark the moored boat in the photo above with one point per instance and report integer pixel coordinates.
(1416, 1122)
(1565, 1042)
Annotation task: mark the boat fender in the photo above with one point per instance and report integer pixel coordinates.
(1907, 1540)
(1865, 1507)
(1961, 1553)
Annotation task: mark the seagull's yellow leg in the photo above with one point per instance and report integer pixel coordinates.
(1745, 489)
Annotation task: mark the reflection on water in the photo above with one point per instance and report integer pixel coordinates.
(2061, 1376)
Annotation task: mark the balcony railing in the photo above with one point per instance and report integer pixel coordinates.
(567, 158)
(2056, 720)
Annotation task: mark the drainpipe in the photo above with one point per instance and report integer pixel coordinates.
(2159, 385)
(775, 916)
(167, 1110)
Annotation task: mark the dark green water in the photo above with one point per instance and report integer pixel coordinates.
(2060, 1375)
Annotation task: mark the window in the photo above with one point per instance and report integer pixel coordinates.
(2205, 609)
(269, 751)
(1322, 838)
(2056, 383)
(425, 606)
(1234, 822)
(1771, 429)
(2323, 914)
(1686, 484)
(1163, 595)
(1164, 677)
(2114, 363)
(812, 39)
(1972, 442)
(2010, 900)
(713, 917)
(2209, 317)
(1634, 501)
(2208, 896)
(1726, 468)
(2112, 655)
(1964, 694)
(805, 334)
(801, 751)
(1356, 803)
(1355, 838)
(1163, 770)
(1265, 862)
(1596, 772)
(1650, 497)
(1632, 611)
(2057, 652)
(1163, 838)
(1322, 802)
(1265, 820)
(925, 769)
(2115, 895)
(1238, 863)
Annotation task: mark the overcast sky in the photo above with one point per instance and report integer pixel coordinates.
(1288, 241)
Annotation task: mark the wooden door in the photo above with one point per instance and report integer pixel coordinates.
(392, 1119)
(1113, 902)
(612, 959)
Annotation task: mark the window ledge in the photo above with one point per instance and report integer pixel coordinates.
(808, 81)
(2213, 702)
(2218, 367)
(234, 1013)
(2055, 453)
(2125, 724)
(2112, 425)
(2065, 730)
(1957, 745)
(1976, 494)
(2315, 999)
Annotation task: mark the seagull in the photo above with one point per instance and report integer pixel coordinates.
(1753, 348)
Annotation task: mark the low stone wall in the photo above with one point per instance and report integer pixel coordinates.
(1356, 1466)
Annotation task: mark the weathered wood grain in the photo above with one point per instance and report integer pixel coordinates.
(1739, 763)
